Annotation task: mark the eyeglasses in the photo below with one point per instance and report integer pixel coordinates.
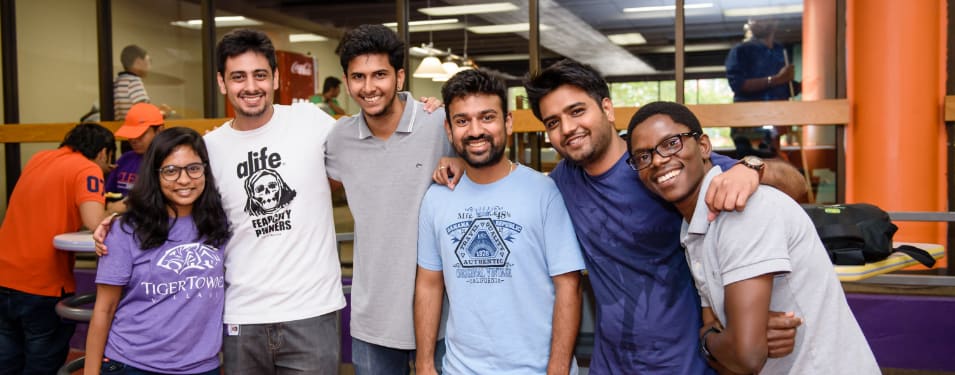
(173, 172)
(641, 159)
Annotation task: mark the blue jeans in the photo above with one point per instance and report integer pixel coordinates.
(33, 339)
(307, 346)
(371, 359)
(113, 367)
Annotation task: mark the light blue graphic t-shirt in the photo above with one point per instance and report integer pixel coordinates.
(498, 246)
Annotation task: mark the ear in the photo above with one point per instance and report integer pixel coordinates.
(275, 79)
(221, 80)
(607, 105)
(509, 124)
(447, 130)
(401, 79)
(705, 146)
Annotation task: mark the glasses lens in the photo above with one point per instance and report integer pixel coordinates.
(169, 172)
(195, 170)
(670, 146)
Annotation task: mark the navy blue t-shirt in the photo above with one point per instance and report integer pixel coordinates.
(648, 311)
(752, 59)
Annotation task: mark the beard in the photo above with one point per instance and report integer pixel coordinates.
(494, 155)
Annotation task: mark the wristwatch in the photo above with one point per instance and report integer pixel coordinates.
(755, 163)
(703, 348)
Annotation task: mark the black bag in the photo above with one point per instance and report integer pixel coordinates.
(859, 233)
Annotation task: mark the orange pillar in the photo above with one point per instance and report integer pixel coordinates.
(896, 85)
(818, 61)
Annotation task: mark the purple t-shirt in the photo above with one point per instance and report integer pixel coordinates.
(648, 312)
(169, 318)
(121, 179)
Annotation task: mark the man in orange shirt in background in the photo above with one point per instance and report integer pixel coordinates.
(59, 191)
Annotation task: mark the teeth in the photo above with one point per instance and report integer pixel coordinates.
(668, 176)
(372, 99)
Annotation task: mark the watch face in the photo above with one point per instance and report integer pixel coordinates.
(753, 161)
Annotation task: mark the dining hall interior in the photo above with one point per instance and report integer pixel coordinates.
(870, 122)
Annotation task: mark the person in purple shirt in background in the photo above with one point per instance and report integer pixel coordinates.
(142, 123)
(160, 290)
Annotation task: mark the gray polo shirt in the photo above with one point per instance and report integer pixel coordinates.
(773, 235)
(385, 181)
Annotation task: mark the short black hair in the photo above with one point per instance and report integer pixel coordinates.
(470, 82)
(239, 41)
(677, 112)
(89, 138)
(129, 55)
(565, 72)
(371, 39)
(330, 83)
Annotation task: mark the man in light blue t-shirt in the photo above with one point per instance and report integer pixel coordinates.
(502, 244)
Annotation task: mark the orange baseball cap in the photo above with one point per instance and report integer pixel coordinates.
(139, 118)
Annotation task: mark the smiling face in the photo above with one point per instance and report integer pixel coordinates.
(182, 192)
(373, 83)
(249, 84)
(676, 178)
(579, 128)
(478, 129)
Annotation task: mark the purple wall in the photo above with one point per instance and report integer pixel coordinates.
(908, 332)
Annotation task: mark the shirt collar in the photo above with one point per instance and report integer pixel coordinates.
(405, 125)
(698, 223)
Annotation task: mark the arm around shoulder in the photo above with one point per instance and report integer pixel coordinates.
(783, 176)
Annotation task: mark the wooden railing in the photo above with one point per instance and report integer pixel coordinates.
(821, 112)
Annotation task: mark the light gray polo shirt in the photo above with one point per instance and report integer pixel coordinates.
(774, 235)
(385, 181)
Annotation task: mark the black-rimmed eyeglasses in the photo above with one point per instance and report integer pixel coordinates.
(173, 172)
(642, 159)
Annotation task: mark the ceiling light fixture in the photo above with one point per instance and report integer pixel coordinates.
(298, 38)
(430, 67)
(506, 28)
(627, 39)
(221, 21)
(441, 21)
(763, 11)
(469, 9)
(666, 8)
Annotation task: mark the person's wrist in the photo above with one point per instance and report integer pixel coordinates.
(769, 81)
(704, 348)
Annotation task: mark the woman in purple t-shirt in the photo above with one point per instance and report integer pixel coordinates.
(160, 290)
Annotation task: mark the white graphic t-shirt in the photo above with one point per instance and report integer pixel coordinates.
(282, 262)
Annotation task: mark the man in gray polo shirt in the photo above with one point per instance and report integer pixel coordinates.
(384, 157)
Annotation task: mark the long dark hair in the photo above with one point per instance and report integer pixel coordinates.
(148, 214)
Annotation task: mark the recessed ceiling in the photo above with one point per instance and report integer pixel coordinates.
(579, 29)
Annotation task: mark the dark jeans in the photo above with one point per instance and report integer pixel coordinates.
(371, 359)
(113, 367)
(308, 346)
(33, 339)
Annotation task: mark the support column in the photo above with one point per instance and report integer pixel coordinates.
(895, 139)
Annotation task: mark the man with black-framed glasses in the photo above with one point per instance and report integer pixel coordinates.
(747, 263)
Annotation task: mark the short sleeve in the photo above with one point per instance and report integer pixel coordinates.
(88, 185)
(753, 242)
(429, 251)
(735, 71)
(116, 267)
(561, 249)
